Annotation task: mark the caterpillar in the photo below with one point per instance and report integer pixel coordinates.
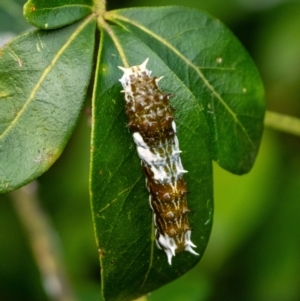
(151, 122)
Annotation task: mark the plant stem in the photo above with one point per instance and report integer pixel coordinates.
(100, 6)
(284, 123)
(144, 298)
(43, 242)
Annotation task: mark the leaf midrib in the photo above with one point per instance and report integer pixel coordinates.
(57, 8)
(112, 16)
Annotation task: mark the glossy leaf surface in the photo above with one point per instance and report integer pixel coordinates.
(208, 58)
(51, 14)
(131, 264)
(44, 78)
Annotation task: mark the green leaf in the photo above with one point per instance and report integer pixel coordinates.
(44, 78)
(47, 14)
(131, 264)
(212, 63)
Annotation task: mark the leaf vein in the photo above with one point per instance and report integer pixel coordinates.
(43, 76)
(187, 61)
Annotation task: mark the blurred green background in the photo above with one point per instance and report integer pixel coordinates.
(254, 250)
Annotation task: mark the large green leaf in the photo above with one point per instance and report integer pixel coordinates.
(207, 57)
(44, 78)
(51, 14)
(131, 264)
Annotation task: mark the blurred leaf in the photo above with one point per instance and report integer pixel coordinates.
(242, 205)
(19, 278)
(279, 42)
(206, 56)
(278, 52)
(274, 262)
(131, 264)
(44, 77)
(11, 19)
(46, 14)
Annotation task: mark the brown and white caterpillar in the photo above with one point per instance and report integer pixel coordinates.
(152, 123)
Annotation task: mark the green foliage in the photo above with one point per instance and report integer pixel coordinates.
(44, 78)
(130, 259)
(219, 103)
(56, 13)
